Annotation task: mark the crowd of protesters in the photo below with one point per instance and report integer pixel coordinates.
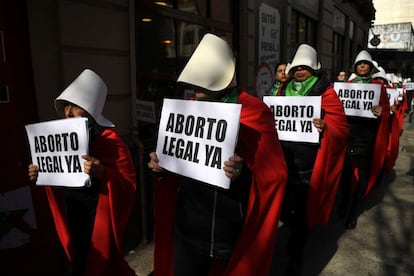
(204, 229)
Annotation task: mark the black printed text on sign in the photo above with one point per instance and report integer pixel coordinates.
(358, 98)
(196, 137)
(293, 117)
(56, 148)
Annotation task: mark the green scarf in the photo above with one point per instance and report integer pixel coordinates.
(302, 88)
(228, 97)
(362, 79)
(275, 88)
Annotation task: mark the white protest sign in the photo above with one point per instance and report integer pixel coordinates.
(392, 94)
(293, 117)
(358, 98)
(196, 137)
(56, 148)
(409, 85)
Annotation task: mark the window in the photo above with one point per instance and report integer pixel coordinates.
(338, 52)
(167, 32)
(304, 29)
(338, 42)
(193, 6)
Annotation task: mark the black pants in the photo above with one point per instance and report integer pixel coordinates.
(364, 168)
(188, 262)
(80, 212)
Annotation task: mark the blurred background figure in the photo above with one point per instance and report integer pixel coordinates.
(281, 77)
(342, 76)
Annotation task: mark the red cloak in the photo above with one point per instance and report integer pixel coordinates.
(116, 197)
(380, 146)
(396, 127)
(261, 151)
(329, 161)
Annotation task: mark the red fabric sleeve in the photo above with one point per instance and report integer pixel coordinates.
(260, 149)
(57, 207)
(396, 127)
(165, 198)
(381, 141)
(116, 198)
(329, 161)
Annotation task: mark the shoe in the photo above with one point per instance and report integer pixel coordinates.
(351, 223)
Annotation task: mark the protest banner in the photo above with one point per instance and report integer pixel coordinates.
(293, 117)
(358, 98)
(196, 137)
(409, 86)
(56, 148)
(393, 94)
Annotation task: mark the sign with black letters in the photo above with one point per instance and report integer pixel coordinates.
(56, 148)
(196, 137)
(293, 117)
(358, 98)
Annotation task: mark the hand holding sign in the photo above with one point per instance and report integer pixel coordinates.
(376, 110)
(233, 167)
(154, 163)
(319, 124)
(93, 167)
(33, 172)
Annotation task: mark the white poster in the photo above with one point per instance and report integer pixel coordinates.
(293, 117)
(393, 94)
(56, 148)
(196, 137)
(409, 86)
(358, 98)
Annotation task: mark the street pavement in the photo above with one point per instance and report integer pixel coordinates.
(382, 244)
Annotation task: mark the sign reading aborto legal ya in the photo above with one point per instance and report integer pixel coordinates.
(196, 137)
(56, 148)
(293, 117)
(358, 98)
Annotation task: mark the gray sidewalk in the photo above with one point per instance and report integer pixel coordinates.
(383, 241)
(381, 245)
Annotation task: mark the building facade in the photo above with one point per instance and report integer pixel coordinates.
(393, 29)
(139, 47)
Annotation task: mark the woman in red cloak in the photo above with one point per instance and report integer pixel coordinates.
(90, 220)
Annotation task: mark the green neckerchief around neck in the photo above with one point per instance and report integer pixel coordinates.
(275, 88)
(296, 88)
(362, 79)
(230, 97)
